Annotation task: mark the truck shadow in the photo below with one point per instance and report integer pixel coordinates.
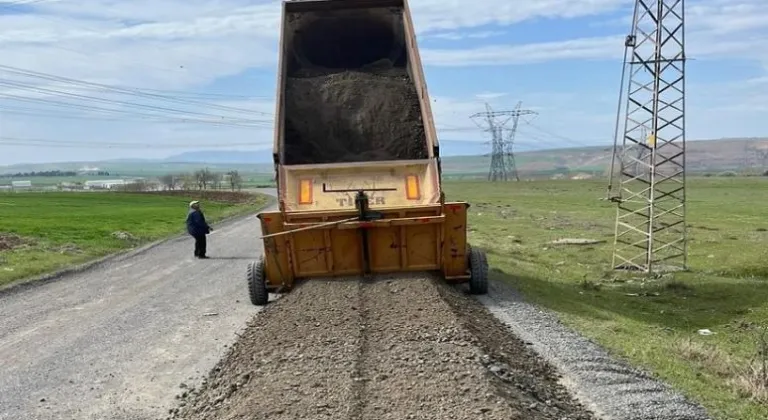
(234, 258)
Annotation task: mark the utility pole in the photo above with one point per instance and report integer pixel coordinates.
(502, 150)
(650, 217)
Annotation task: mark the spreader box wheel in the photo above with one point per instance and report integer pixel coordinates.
(257, 283)
(478, 268)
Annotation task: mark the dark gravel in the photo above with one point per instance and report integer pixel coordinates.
(395, 347)
(352, 116)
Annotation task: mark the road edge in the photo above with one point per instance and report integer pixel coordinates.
(605, 383)
(41, 280)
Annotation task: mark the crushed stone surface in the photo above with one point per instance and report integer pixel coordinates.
(352, 116)
(608, 386)
(388, 347)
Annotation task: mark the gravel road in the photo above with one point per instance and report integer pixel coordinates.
(388, 347)
(113, 342)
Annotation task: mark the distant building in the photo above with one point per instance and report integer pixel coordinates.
(89, 171)
(21, 185)
(69, 186)
(107, 184)
(581, 176)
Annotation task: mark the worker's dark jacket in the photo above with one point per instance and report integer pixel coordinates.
(196, 225)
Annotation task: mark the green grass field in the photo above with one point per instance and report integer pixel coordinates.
(250, 179)
(59, 229)
(653, 322)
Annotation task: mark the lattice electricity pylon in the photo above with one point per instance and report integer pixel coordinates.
(650, 217)
(502, 152)
(509, 149)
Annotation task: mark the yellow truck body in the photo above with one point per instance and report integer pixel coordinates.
(358, 169)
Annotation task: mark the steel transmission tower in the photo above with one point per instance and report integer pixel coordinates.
(502, 150)
(650, 218)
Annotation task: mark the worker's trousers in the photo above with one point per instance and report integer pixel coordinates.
(200, 245)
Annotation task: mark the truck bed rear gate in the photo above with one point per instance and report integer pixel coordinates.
(392, 240)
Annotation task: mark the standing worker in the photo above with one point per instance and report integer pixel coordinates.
(198, 228)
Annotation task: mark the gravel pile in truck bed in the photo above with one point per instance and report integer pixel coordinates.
(404, 347)
(352, 116)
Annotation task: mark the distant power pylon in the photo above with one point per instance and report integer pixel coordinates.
(502, 150)
(650, 218)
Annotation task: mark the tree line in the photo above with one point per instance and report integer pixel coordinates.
(202, 179)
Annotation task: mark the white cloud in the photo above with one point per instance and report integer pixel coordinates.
(719, 30)
(491, 95)
(181, 38)
(150, 10)
(727, 16)
(187, 44)
(441, 15)
(586, 48)
(455, 36)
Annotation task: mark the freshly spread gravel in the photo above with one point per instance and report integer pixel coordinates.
(352, 116)
(611, 388)
(391, 347)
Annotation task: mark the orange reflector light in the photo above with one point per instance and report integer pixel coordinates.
(412, 187)
(305, 191)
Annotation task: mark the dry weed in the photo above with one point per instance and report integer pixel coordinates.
(752, 380)
(749, 380)
(708, 356)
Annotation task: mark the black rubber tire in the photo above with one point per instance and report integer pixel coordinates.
(478, 267)
(257, 283)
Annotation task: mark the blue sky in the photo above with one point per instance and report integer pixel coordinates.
(200, 74)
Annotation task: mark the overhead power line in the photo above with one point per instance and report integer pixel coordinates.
(124, 90)
(216, 120)
(116, 102)
(193, 116)
(36, 142)
(522, 128)
(573, 142)
(119, 117)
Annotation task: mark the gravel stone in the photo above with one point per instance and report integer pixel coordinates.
(352, 349)
(609, 387)
(336, 116)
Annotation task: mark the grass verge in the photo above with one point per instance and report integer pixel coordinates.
(652, 321)
(45, 232)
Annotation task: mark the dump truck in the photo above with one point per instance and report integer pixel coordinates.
(356, 155)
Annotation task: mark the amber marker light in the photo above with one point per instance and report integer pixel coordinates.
(305, 191)
(412, 191)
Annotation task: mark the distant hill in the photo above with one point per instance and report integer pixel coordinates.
(459, 158)
(221, 156)
(701, 156)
